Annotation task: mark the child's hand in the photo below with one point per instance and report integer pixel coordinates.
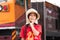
(31, 24)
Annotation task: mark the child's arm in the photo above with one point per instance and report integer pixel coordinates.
(22, 38)
(35, 32)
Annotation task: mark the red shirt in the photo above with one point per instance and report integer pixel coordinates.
(29, 34)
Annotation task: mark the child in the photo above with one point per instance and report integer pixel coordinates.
(32, 30)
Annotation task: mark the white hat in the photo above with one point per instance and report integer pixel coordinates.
(28, 12)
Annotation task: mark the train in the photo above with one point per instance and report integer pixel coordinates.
(10, 12)
(12, 17)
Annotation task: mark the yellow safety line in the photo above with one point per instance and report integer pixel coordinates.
(13, 32)
(14, 37)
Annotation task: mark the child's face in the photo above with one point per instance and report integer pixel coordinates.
(32, 17)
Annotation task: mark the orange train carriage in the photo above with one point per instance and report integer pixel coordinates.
(10, 11)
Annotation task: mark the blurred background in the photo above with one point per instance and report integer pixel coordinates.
(12, 17)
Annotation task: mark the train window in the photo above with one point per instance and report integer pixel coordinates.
(3, 1)
(22, 2)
